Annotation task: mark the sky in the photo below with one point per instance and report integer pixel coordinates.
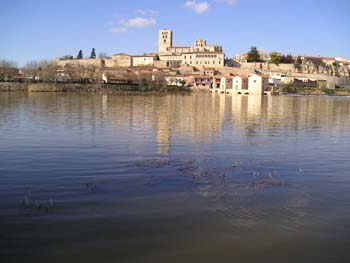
(47, 29)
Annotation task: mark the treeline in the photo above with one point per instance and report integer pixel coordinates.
(274, 57)
(81, 56)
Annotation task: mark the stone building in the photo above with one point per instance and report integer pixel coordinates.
(119, 60)
(199, 55)
(165, 40)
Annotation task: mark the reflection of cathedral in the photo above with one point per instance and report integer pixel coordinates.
(163, 134)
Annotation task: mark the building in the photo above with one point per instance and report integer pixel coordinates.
(175, 81)
(300, 81)
(226, 84)
(119, 60)
(199, 55)
(200, 82)
(165, 40)
(142, 61)
(257, 84)
(208, 71)
(240, 84)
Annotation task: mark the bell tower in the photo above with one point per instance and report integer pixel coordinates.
(165, 40)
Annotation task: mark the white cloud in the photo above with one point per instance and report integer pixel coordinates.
(147, 12)
(199, 8)
(119, 30)
(229, 2)
(139, 22)
(145, 19)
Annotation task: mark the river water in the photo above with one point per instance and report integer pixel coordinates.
(174, 178)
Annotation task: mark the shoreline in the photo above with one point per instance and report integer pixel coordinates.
(86, 87)
(136, 89)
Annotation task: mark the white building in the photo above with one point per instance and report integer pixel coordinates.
(226, 84)
(240, 84)
(142, 61)
(257, 84)
(175, 81)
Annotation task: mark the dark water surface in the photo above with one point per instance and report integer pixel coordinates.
(174, 178)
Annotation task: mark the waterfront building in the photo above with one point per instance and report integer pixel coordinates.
(257, 84)
(226, 84)
(240, 83)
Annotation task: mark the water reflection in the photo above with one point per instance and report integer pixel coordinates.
(200, 116)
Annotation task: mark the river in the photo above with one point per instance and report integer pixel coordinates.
(174, 178)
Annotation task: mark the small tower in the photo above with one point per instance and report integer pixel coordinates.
(165, 40)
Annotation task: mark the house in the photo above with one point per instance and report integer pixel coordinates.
(175, 81)
(300, 81)
(226, 84)
(216, 82)
(142, 60)
(257, 84)
(209, 71)
(202, 82)
(240, 84)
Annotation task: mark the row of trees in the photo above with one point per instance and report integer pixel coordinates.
(275, 57)
(80, 55)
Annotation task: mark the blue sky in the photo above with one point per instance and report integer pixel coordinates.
(44, 29)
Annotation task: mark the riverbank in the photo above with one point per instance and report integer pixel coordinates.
(86, 87)
(316, 91)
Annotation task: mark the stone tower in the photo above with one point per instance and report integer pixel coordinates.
(165, 40)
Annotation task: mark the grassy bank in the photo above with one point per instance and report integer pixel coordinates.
(315, 91)
(86, 87)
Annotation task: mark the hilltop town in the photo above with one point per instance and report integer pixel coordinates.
(199, 67)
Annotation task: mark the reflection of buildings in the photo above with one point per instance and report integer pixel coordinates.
(142, 121)
(163, 126)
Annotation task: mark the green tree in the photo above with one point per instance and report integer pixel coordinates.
(275, 58)
(80, 54)
(93, 53)
(253, 55)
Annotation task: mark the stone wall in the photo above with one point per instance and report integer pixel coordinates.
(79, 62)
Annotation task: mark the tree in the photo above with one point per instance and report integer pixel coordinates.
(299, 61)
(8, 69)
(290, 59)
(32, 69)
(93, 54)
(80, 54)
(275, 58)
(253, 55)
(67, 57)
(48, 70)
